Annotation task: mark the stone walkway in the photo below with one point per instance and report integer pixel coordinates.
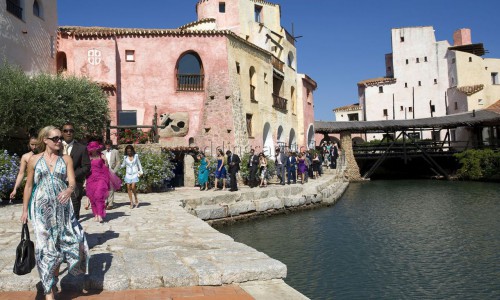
(154, 246)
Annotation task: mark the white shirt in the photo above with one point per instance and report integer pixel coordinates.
(70, 146)
(108, 157)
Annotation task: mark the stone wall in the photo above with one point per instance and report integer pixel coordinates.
(352, 169)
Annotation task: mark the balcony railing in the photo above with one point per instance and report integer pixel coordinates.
(252, 93)
(15, 9)
(190, 82)
(279, 103)
(277, 64)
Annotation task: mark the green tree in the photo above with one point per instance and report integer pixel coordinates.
(479, 164)
(41, 100)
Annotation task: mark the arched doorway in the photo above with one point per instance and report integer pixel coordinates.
(292, 141)
(268, 142)
(310, 138)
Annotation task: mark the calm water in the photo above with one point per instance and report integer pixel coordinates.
(390, 240)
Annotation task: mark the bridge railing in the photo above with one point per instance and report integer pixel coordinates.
(399, 148)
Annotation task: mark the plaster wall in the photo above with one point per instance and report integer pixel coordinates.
(30, 42)
(150, 79)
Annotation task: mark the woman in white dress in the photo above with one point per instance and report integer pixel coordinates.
(133, 172)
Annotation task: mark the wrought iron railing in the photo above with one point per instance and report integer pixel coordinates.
(15, 9)
(190, 82)
(279, 103)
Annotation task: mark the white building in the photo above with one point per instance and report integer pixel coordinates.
(415, 83)
(352, 112)
(28, 32)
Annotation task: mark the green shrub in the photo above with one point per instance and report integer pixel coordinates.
(158, 170)
(37, 101)
(479, 164)
(9, 167)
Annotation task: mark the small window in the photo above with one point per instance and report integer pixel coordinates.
(249, 124)
(406, 84)
(52, 47)
(380, 89)
(435, 81)
(222, 7)
(456, 105)
(410, 109)
(494, 78)
(127, 117)
(258, 13)
(425, 59)
(401, 108)
(407, 61)
(37, 10)
(389, 69)
(418, 60)
(15, 8)
(402, 39)
(238, 68)
(480, 102)
(420, 83)
(470, 59)
(433, 108)
(353, 117)
(453, 60)
(129, 55)
(385, 113)
(414, 135)
(453, 135)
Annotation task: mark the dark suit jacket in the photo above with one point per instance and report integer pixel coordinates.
(236, 160)
(291, 163)
(255, 161)
(81, 162)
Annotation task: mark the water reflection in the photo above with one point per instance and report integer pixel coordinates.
(390, 240)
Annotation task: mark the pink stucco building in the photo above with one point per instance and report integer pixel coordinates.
(227, 80)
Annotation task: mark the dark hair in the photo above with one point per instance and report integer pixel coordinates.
(220, 151)
(108, 142)
(131, 148)
(228, 152)
(68, 123)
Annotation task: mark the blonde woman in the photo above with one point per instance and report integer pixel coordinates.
(24, 163)
(263, 169)
(59, 237)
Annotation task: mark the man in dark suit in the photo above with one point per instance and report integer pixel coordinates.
(81, 164)
(233, 161)
(334, 154)
(291, 166)
(280, 162)
(253, 167)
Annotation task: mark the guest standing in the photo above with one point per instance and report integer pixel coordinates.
(253, 167)
(263, 169)
(280, 165)
(334, 154)
(291, 165)
(59, 237)
(316, 165)
(99, 181)
(220, 171)
(233, 161)
(203, 172)
(301, 167)
(24, 163)
(113, 159)
(81, 164)
(132, 173)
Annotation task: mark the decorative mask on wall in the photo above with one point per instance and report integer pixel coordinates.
(176, 124)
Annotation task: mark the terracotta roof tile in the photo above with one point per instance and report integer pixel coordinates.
(206, 20)
(350, 107)
(377, 81)
(471, 89)
(495, 107)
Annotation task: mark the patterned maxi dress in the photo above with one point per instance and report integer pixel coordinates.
(58, 235)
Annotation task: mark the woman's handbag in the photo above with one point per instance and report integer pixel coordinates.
(25, 253)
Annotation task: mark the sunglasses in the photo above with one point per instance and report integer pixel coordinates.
(56, 139)
(68, 130)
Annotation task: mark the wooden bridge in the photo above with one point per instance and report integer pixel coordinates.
(482, 128)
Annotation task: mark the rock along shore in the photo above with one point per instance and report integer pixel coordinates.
(166, 242)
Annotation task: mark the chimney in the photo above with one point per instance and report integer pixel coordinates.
(462, 37)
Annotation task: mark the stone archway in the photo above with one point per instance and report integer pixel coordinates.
(268, 143)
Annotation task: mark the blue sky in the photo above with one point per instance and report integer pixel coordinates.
(343, 41)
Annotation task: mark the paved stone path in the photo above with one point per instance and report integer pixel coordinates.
(156, 245)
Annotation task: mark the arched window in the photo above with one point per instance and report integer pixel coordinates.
(291, 59)
(190, 72)
(62, 62)
(294, 100)
(252, 84)
(15, 8)
(311, 144)
(37, 9)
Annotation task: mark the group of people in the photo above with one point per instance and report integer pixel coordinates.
(290, 167)
(233, 162)
(59, 171)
